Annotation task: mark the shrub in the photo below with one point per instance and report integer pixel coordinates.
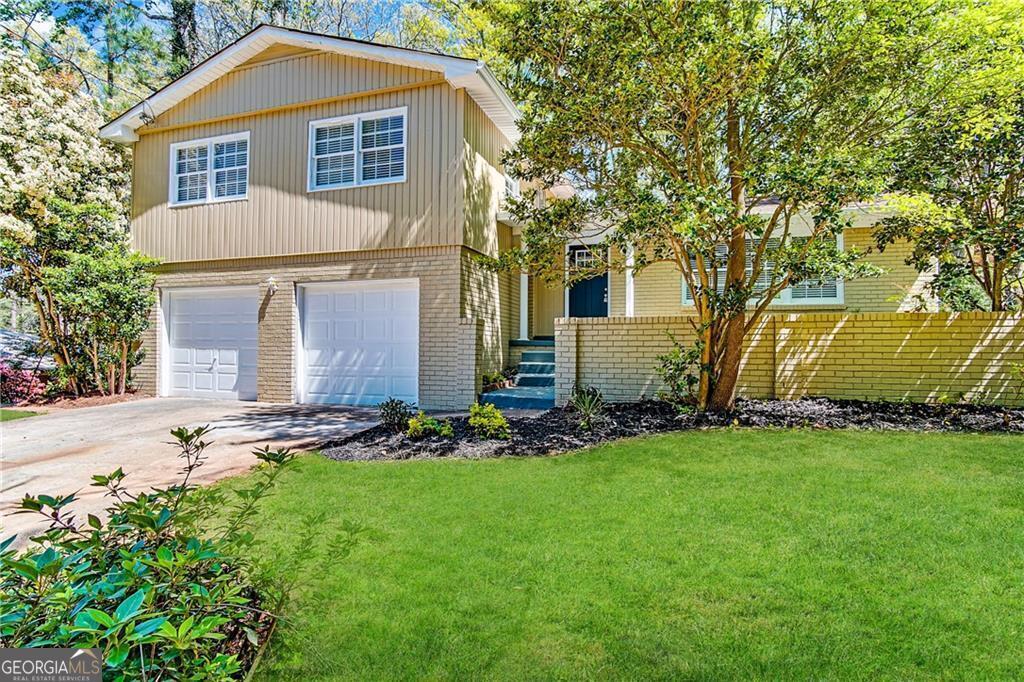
(589, 403)
(160, 600)
(422, 426)
(487, 421)
(19, 385)
(493, 378)
(394, 414)
(680, 370)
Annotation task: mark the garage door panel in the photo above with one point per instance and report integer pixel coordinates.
(346, 330)
(213, 347)
(375, 330)
(371, 349)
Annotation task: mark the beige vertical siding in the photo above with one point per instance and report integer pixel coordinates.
(483, 179)
(280, 217)
(493, 298)
(288, 81)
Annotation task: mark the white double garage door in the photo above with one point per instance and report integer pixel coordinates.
(357, 342)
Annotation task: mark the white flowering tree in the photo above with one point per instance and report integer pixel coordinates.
(63, 195)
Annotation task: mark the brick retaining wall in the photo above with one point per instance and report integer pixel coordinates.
(892, 356)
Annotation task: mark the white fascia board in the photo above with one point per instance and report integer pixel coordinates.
(466, 73)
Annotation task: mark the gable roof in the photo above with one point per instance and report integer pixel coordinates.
(460, 72)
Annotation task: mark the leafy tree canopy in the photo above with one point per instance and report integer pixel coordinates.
(702, 133)
(960, 168)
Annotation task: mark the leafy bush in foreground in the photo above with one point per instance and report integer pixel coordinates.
(160, 600)
(487, 421)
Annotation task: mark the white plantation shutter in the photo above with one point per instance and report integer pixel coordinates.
(364, 149)
(764, 277)
(210, 170)
(231, 168)
(810, 291)
(334, 155)
(191, 168)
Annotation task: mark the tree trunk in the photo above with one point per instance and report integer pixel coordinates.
(727, 367)
(183, 36)
(122, 380)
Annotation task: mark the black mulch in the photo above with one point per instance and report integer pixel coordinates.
(557, 430)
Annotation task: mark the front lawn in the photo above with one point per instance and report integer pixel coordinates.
(7, 415)
(719, 554)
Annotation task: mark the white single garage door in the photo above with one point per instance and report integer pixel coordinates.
(360, 342)
(211, 334)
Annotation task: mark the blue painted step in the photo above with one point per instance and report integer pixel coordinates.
(538, 356)
(536, 367)
(522, 398)
(535, 380)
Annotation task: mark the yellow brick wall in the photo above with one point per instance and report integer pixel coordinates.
(914, 356)
(618, 355)
(890, 356)
(658, 288)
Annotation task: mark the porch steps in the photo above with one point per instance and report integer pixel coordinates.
(535, 384)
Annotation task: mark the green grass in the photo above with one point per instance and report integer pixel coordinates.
(723, 554)
(10, 415)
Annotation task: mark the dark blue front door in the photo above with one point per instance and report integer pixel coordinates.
(587, 298)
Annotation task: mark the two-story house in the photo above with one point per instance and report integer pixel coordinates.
(317, 204)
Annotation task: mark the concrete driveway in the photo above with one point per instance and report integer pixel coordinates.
(58, 453)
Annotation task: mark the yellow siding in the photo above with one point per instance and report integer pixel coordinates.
(658, 288)
(888, 356)
(288, 81)
(280, 217)
(900, 288)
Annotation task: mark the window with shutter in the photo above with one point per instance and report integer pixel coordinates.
(193, 181)
(364, 149)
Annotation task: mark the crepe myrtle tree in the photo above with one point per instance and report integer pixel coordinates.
(964, 169)
(700, 133)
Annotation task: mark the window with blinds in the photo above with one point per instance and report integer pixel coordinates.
(193, 181)
(364, 149)
(805, 293)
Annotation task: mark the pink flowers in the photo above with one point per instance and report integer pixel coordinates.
(19, 385)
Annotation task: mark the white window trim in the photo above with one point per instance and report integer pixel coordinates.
(785, 297)
(172, 181)
(356, 119)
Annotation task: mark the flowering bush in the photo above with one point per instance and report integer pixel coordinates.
(19, 385)
(161, 598)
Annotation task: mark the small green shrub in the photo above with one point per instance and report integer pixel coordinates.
(589, 403)
(487, 421)
(493, 378)
(162, 587)
(422, 426)
(680, 370)
(394, 414)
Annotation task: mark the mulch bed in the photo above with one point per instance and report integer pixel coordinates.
(72, 403)
(557, 430)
